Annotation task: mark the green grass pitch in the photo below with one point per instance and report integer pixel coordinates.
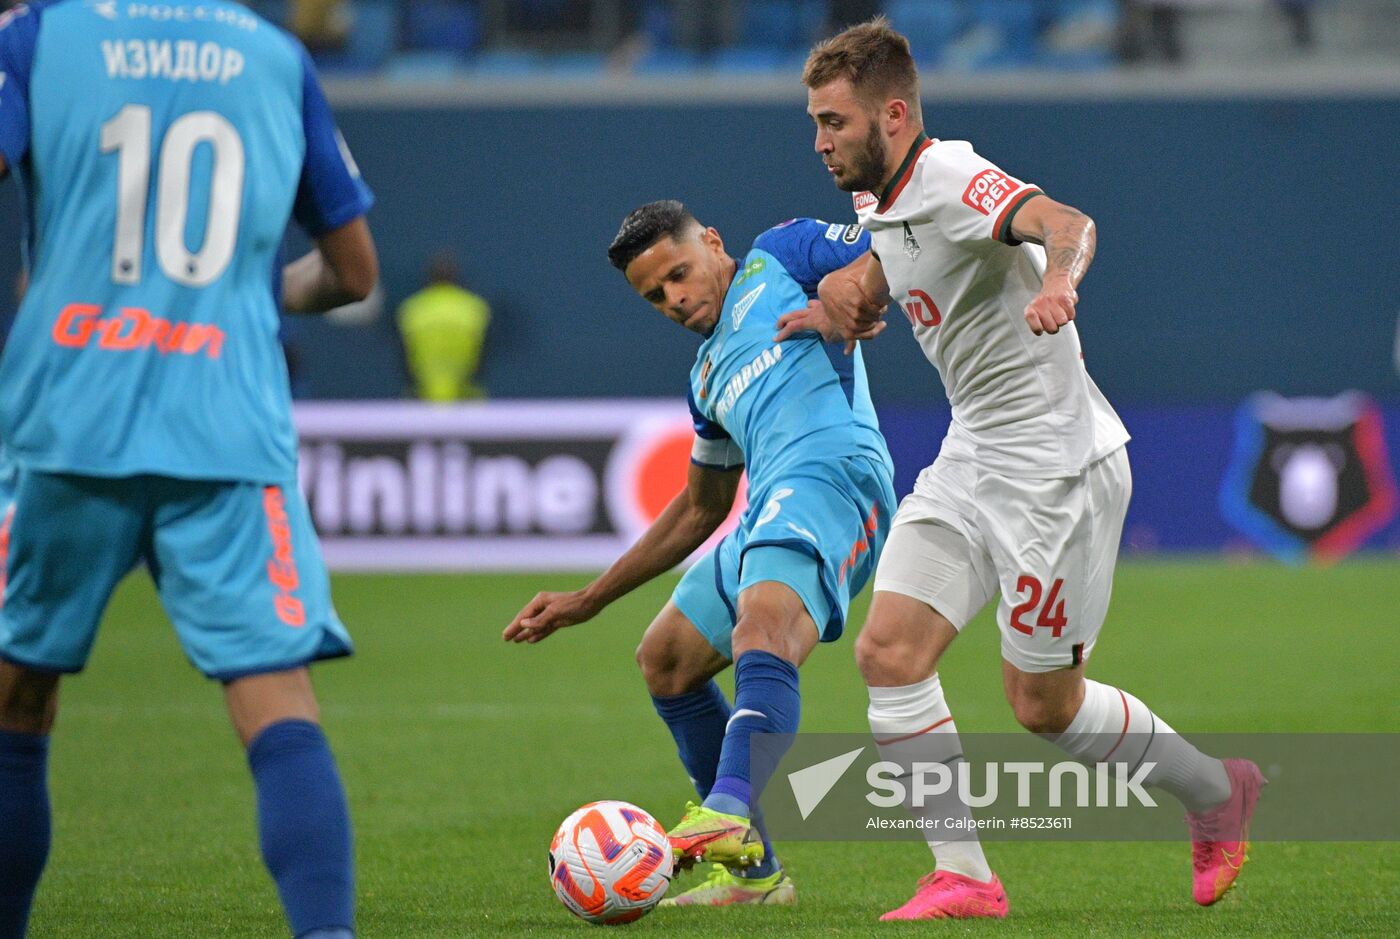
(461, 755)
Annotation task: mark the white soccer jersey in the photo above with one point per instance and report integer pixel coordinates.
(1023, 405)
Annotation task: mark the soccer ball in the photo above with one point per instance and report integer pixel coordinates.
(610, 863)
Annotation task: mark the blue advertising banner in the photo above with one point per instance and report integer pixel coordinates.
(1181, 458)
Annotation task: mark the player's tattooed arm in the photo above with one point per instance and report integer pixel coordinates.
(1070, 239)
(684, 525)
(855, 298)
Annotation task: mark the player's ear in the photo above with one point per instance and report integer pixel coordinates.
(895, 113)
(710, 238)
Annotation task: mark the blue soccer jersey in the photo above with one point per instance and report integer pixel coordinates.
(783, 404)
(163, 149)
(798, 413)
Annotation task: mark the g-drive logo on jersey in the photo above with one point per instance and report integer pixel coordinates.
(79, 323)
(989, 189)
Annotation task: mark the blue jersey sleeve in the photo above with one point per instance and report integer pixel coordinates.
(810, 249)
(19, 33)
(331, 192)
(713, 448)
(705, 428)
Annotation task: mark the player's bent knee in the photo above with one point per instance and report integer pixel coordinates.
(661, 668)
(28, 699)
(674, 657)
(1043, 714)
(1044, 702)
(901, 642)
(785, 630)
(889, 657)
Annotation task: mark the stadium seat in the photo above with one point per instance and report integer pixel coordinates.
(1013, 26)
(442, 26)
(664, 61)
(781, 23)
(1081, 35)
(506, 63)
(930, 25)
(749, 59)
(422, 66)
(582, 64)
(374, 37)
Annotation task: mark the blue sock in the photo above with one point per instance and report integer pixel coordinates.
(304, 828)
(766, 701)
(24, 826)
(697, 720)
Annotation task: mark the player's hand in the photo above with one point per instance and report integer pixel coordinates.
(812, 319)
(1052, 308)
(855, 314)
(547, 613)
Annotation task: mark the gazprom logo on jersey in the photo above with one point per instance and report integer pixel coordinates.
(500, 485)
(740, 383)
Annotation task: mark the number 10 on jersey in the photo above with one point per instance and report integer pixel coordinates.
(128, 135)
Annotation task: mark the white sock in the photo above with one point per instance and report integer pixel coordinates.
(1113, 726)
(911, 724)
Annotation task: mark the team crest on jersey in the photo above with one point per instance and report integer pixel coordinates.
(911, 246)
(746, 302)
(864, 200)
(705, 377)
(107, 9)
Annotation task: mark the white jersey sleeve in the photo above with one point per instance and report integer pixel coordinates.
(968, 197)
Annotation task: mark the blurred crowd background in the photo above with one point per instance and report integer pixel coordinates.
(414, 38)
(1237, 140)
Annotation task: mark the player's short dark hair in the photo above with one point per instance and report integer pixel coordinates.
(871, 56)
(644, 226)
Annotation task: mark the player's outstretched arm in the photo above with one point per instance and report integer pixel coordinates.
(686, 523)
(855, 297)
(1070, 240)
(342, 268)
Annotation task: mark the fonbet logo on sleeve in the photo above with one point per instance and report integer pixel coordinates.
(989, 189)
(864, 200)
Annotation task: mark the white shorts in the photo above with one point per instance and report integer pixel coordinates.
(1049, 544)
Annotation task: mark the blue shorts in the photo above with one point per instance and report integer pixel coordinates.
(817, 528)
(237, 566)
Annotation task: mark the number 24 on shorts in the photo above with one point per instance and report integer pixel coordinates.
(1052, 614)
